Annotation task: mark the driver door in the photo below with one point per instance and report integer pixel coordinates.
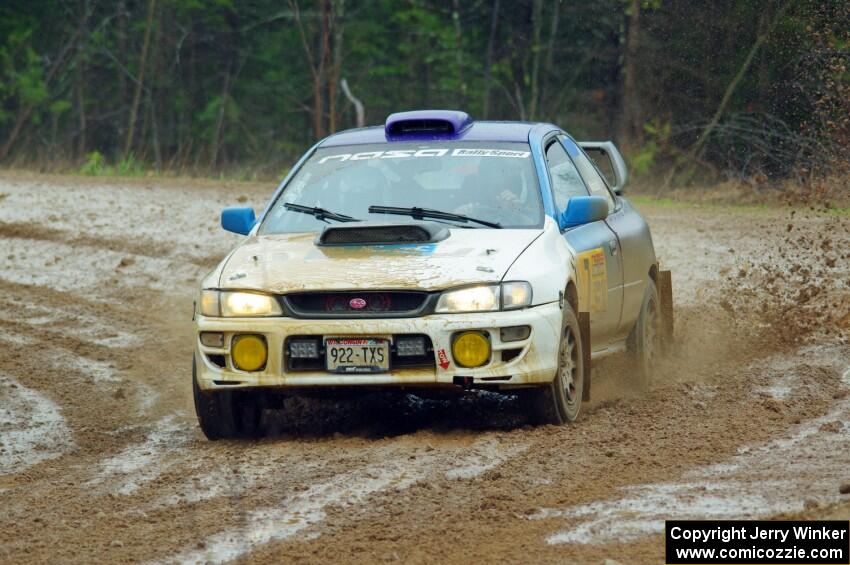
(599, 266)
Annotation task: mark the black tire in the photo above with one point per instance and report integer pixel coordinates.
(226, 414)
(644, 343)
(559, 402)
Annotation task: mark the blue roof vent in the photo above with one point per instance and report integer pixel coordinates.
(426, 124)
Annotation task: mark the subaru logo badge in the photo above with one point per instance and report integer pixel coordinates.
(357, 303)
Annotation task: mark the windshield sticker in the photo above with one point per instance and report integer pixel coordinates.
(490, 153)
(404, 153)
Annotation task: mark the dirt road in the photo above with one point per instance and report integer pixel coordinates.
(101, 458)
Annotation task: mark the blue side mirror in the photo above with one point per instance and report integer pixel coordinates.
(238, 220)
(583, 210)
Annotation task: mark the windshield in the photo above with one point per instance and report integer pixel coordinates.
(494, 182)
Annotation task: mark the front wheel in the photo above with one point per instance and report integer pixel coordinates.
(226, 414)
(559, 402)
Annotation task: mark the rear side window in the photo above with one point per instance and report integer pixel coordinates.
(566, 181)
(594, 180)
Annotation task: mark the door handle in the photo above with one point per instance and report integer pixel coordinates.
(612, 245)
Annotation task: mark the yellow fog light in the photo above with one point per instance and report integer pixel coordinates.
(249, 352)
(471, 349)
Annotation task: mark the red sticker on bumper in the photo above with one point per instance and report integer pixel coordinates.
(444, 359)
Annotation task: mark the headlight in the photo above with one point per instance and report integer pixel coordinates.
(238, 304)
(472, 299)
(506, 296)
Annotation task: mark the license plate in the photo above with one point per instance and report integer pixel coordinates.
(357, 355)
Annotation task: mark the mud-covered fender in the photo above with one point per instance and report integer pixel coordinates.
(548, 263)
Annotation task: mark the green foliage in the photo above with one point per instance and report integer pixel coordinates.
(129, 167)
(657, 137)
(59, 107)
(96, 165)
(237, 78)
(21, 74)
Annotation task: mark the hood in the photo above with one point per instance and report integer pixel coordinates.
(292, 262)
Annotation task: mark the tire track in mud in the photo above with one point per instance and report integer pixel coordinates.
(138, 247)
(138, 464)
(32, 429)
(95, 273)
(15, 230)
(148, 219)
(778, 476)
(55, 337)
(348, 491)
(183, 493)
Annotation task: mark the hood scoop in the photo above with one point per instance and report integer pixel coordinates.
(382, 233)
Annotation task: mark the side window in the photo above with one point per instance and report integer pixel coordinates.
(593, 178)
(566, 181)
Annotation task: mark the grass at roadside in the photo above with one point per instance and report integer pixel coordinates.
(665, 202)
(96, 165)
(739, 207)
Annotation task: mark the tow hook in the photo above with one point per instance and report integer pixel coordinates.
(464, 382)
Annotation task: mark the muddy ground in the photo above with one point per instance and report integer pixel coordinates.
(101, 458)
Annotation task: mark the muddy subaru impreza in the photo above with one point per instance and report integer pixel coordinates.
(435, 252)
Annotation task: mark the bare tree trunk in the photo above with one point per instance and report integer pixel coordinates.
(137, 96)
(697, 148)
(359, 111)
(152, 90)
(219, 125)
(157, 154)
(324, 51)
(632, 120)
(488, 65)
(336, 27)
(550, 54)
(519, 101)
(316, 67)
(80, 79)
(121, 36)
(536, 24)
(459, 51)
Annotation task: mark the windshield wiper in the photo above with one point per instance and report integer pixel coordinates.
(422, 213)
(319, 213)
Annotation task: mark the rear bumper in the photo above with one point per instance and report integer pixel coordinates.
(530, 361)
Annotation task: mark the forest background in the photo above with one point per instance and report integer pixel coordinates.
(695, 93)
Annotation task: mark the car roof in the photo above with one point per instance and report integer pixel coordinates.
(477, 131)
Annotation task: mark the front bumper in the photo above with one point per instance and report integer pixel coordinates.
(529, 361)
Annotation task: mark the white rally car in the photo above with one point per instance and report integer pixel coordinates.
(433, 252)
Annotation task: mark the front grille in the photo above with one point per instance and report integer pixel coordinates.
(396, 361)
(357, 304)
